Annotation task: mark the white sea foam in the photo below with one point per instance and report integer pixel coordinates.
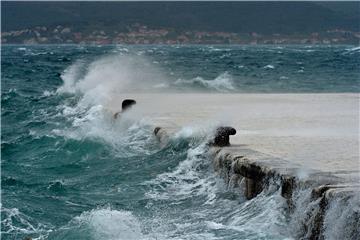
(269, 66)
(97, 123)
(188, 178)
(353, 50)
(14, 221)
(109, 224)
(342, 218)
(185, 180)
(222, 83)
(47, 93)
(263, 216)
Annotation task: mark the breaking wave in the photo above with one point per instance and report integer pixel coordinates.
(15, 222)
(110, 76)
(222, 83)
(105, 223)
(102, 80)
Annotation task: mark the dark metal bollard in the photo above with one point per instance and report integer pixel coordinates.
(127, 103)
(222, 136)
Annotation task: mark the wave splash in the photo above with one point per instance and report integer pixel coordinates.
(107, 224)
(109, 76)
(214, 208)
(222, 83)
(95, 87)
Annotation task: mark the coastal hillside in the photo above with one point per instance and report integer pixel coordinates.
(178, 20)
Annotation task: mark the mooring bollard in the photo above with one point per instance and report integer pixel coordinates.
(222, 136)
(126, 104)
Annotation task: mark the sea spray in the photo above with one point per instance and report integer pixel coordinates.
(110, 75)
(70, 76)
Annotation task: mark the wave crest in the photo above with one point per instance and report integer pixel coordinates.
(110, 224)
(222, 83)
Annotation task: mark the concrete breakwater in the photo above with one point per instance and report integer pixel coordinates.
(312, 197)
(253, 172)
(315, 138)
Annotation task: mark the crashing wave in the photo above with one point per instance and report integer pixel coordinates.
(105, 223)
(103, 79)
(222, 83)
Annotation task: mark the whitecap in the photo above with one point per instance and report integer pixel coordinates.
(109, 224)
(47, 93)
(13, 221)
(222, 83)
(269, 67)
(353, 50)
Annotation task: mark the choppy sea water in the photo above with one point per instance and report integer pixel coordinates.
(70, 171)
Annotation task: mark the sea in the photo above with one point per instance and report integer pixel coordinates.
(69, 170)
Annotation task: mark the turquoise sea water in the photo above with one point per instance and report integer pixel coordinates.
(69, 171)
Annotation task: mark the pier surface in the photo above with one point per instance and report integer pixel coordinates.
(293, 142)
(314, 131)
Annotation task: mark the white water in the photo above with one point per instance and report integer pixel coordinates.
(222, 83)
(109, 224)
(14, 221)
(109, 76)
